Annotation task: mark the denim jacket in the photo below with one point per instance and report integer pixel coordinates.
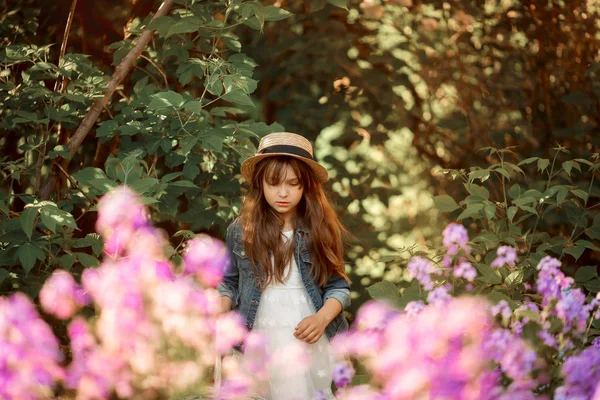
(241, 285)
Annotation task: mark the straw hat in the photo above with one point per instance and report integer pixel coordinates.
(284, 144)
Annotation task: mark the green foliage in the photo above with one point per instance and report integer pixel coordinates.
(540, 206)
(176, 133)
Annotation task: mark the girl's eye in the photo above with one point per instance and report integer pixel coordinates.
(294, 183)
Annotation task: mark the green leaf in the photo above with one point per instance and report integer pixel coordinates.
(213, 143)
(143, 185)
(581, 194)
(169, 177)
(445, 203)
(27, 220)
(87, 260)
(184, 184)
(567, 166)
(185, 233)
(481, 174)
(593, 285)
(477, 190)
(185, 25)
(490, 210)
(28, 254)
(273, 13)
(187, 144)
(542, 164)
(472, 210)
(51, 216)
(66, 261)
(194, 106)
(512, 211)
(561, 194)
(525, 200)
(384, 290)
(168, 99)
(88, 174)
(339, 3)
(586, 273)
(3, 274)
(514, 191)
(576, 251)
(238, 96)
(514, 278)
(489, 275)
(103, 185)
(161, 24)
(529, 160)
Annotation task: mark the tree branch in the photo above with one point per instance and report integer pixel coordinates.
(60, 85)
(120, 72)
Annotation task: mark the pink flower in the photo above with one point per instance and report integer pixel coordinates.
(61, 296)
(29, 352)
(120, 214)
(230, 332)
(207, 258)
(342, 374)
(455, 237)
(507, 255)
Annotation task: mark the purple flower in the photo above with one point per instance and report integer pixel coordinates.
(518, 360)
(465, 270)
(208, 258)
(420, 269)
(29, 352)
(496, 343)
(455, 237)
(547, 338)
(342, 374)
(120, 214)
(373, 315)
(502, 309)
(320, 395)
(507, 255)
(413, 308)
(581, 373)
(61, 296)
(439, 295)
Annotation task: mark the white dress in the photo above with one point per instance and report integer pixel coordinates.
(298, 369)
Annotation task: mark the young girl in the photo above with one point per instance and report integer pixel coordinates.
(287, 274)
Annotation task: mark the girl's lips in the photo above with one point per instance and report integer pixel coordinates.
(283, 203)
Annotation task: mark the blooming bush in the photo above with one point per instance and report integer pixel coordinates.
(153, 334)
(462, 337)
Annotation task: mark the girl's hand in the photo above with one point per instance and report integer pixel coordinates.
(310, 329)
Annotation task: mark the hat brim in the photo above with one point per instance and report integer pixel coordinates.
(249, 166)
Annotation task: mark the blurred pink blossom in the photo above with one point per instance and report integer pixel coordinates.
(207, 258)
(61, 295)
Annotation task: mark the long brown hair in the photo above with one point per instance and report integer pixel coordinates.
(262, 226)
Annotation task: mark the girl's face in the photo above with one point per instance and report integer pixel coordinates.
(283, 196)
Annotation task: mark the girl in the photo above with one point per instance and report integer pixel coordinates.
(287, 274)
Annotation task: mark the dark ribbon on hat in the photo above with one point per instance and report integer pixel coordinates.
(286, 148)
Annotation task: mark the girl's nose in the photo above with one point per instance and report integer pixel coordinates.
(283, 191)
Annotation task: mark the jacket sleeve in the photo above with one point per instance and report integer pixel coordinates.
(337, 288)
(229, 286)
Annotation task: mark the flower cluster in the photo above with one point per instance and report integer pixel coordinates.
(153, 333)
(442, 351)
(561, 299)
(581, 374)
(29, 352)
(507, 255)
